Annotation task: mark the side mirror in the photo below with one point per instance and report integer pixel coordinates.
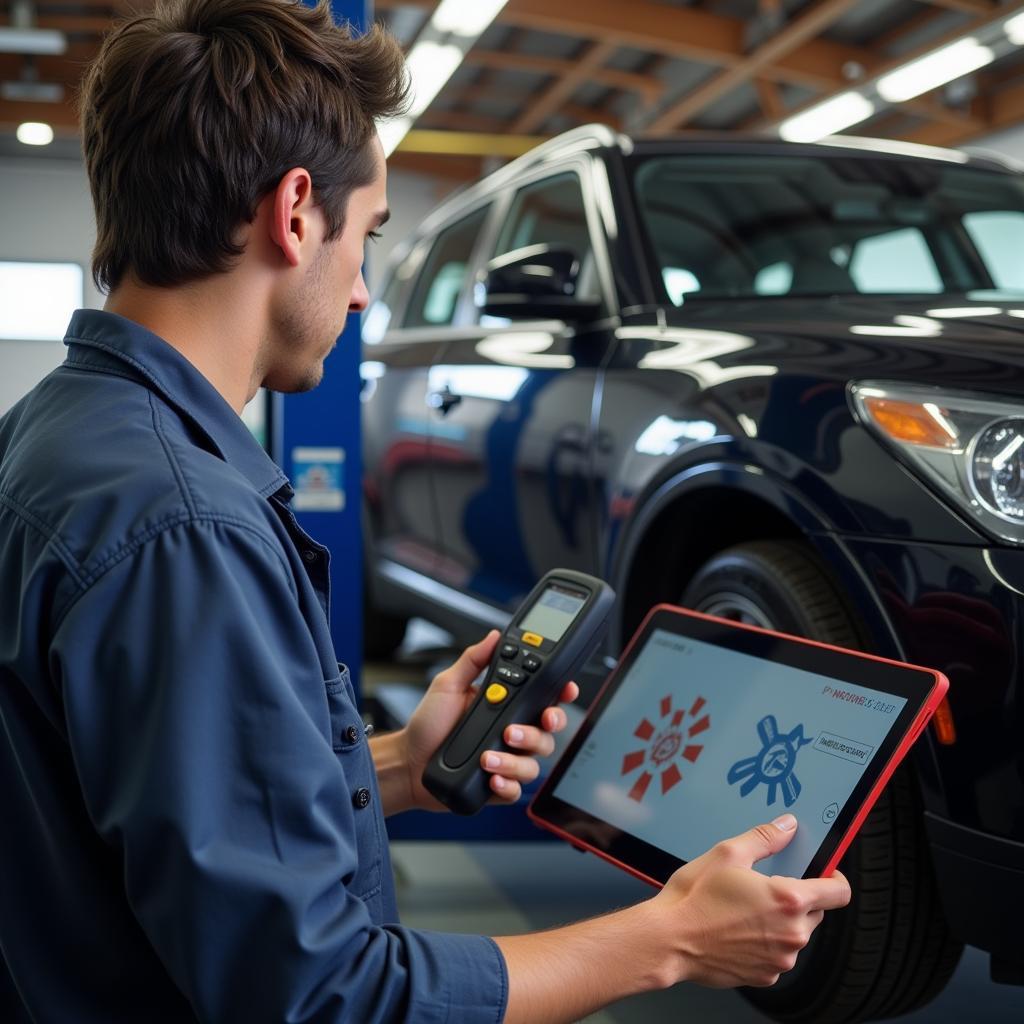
(538, 282)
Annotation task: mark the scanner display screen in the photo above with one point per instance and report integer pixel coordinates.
(699, 743)
(554, 612)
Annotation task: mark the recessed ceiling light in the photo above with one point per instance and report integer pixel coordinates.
(35, 133)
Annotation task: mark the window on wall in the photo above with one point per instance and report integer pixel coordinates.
(443, 277)
(37, 299)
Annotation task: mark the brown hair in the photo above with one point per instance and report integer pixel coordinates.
(193, 113)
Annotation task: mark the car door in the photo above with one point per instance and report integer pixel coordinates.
(515, 402)
(404, 335)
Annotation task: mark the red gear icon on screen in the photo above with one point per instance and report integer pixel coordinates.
(665, 742)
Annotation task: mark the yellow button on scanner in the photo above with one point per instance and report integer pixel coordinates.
(533, 639)
(496, 693)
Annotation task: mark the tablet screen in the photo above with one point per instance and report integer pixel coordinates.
(699, 742)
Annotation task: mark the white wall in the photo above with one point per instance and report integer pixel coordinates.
(46, 214)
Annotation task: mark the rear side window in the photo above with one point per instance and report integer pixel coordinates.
(552, 212)
(998, 235)
(443, 277)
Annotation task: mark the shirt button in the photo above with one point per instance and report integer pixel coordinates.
(361, 797)
(309, 555)
(352, 734)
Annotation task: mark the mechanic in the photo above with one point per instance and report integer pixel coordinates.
(193, 815)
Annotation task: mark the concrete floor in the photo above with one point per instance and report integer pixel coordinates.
(498, 888)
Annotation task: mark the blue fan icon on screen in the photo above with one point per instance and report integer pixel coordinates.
(773, 764)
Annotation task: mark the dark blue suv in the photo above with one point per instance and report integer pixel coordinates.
(779, 383)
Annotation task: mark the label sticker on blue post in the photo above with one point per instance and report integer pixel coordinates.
(319, 479)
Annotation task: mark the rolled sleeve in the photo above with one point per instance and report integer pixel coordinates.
(197, 712)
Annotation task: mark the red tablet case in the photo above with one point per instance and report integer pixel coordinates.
(916, 728)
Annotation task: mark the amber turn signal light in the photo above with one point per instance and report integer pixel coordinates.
(912, 423)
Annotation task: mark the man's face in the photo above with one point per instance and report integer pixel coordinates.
(313, 315)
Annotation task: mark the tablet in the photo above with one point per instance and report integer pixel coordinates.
(708, 727)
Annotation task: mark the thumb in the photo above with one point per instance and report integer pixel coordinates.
(761, 841)
(471, 663)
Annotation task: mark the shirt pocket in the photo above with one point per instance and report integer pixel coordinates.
(353, 752)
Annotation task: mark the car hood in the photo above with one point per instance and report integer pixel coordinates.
(943, 340)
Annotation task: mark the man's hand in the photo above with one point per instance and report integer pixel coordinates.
(717, 922)
(736, 926)
(445, 702)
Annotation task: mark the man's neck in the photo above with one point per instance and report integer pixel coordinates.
(213, 324)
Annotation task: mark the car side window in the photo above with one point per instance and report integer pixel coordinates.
(441, 281)
(552, 212)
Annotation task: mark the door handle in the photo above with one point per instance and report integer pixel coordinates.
(444, 400)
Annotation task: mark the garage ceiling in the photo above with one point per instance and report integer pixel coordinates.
(645, 66)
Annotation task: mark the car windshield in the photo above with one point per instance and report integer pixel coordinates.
(750, 225)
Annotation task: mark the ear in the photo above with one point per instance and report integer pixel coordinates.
(291, 208)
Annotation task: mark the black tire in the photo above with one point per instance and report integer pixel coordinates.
(383, 632)
(890, 951)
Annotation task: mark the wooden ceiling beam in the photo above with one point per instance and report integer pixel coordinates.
(683, 32)
(967, 6)
(459, 121)
(994, 113)
(769, 99)
(541, 107)
(61, 116)
(804, 27)
(453, 168)
(627, 81)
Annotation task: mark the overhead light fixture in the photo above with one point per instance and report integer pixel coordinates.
(44, 41)
(466, 17)
(1014, 29)
(849, 108)
(430, 65)
(34, 133)
(935, 69)
(431, 62)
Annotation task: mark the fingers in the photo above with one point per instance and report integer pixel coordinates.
(530, 739)
(510, 767)
(470, 664)
(827, 893)
(569, 694)
(759, 842)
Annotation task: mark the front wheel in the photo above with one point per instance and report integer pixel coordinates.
(890, 951)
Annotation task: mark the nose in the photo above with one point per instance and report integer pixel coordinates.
(360, 298)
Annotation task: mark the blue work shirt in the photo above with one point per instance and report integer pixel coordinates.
(191, 825)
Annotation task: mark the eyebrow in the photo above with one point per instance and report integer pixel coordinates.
(382, 218)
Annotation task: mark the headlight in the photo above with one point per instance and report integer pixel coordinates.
(970, 449)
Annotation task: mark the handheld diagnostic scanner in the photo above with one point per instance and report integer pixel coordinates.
(548, 640)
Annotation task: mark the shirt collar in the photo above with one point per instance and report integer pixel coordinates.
(102, 339)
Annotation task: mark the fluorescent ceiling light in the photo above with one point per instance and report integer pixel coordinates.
(430, 65)
(35, 133)
(1014, 29)
(938, 68)
(46, 41)
(826, 118)
(466, 17)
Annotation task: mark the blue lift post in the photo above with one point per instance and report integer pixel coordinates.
(317, 442)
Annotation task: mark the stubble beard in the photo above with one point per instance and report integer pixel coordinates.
(302, 329)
